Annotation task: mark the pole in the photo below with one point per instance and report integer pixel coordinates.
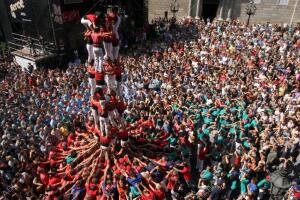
(198, 10)
(52, 24)
(190, 8)
(2, 33)
(292, 17)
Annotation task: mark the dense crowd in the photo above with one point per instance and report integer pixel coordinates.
(38, 109)
(212, 112)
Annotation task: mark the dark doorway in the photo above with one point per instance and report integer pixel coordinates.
(210, 9)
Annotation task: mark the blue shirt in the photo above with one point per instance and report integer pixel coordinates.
(133, 181)
(76, 190)
(252, 187)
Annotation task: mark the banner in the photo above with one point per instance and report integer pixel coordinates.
(19, 10)
(56, 11)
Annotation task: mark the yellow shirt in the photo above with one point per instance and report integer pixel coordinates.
(64, 131)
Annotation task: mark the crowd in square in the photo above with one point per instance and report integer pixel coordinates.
(206, 110)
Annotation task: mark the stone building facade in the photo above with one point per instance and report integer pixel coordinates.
(275, 11)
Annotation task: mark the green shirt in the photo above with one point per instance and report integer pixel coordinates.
(253, 123)
(231, 130)
(175, 107)
(130, 120)
(244, 184)
(222, 111)
(172, 140)
(172, 156)
(207, 175)
(246, 144)
(134, 191)
(220, 139)
(245, 116)
(204, 109)
(216, 112)
(207, 120)
(69, 159)
(202, 132)
(233, 185)
(263, 184)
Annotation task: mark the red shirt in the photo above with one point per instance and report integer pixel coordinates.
(203, 150)
(88, 34)
(89, 127)
(105, 140)
(44, 179)
(122, 134)
(237, 161)
(98, 132)
(91, 193)
(148, 122)
(71, 138)
(97, 38)
(111, 18)
(118, 70)
(53, 180)
(121, 106)
(186, 174)
(150, 196)
(94, 101)
(99, 75)
(171, 181)
(109, 68)
(53, 162)
(159, 194)
(91, 71)
(70, 176)
(91, 17)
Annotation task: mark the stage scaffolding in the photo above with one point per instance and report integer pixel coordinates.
(29, 46)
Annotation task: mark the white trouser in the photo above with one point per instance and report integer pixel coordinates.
(119, 89)
(112, 118)
(110, 80)
(89, 48)
(123, 122)
(114, 140)
(108, 50)
(116, 27)
(92, 84)
(104, 123)
(123, 143)
(98, 55)
(104, 148)
(96, 118)
(200, 164)
(87, 23)
(115, 52)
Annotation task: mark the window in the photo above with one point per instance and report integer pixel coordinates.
(257, 1)
(283, 2)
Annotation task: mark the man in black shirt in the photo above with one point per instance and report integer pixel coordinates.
(217, 192)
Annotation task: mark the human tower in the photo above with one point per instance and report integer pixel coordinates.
(106, 154)
(105, 75)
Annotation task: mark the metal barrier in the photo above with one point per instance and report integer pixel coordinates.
(29, 46)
